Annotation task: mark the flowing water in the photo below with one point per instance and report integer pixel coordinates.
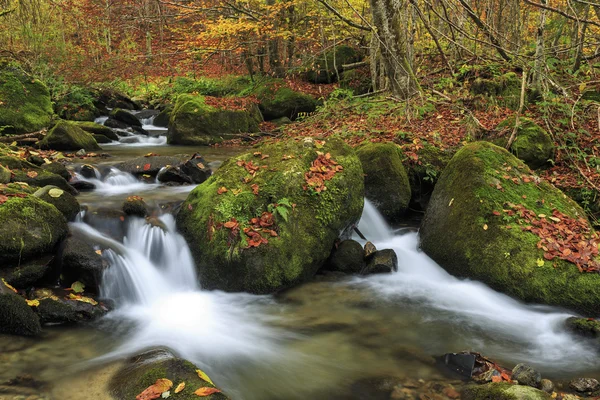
(313, 341)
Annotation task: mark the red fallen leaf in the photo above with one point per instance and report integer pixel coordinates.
(222, 190)
(206, 391)
(146, 167)
(3, 199)
(156, 390)
(496, 378)
(231, 224)
(32, 174)
(257, 154)
(273, 233)
(122, 218)
(254, 189)
(264, 156)
(496, 213)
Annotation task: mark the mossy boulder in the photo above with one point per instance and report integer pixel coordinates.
(276, 100)
(503, 391)
(56, 310)
(424, 172)
(77, 104)
(135, 206)
(386, 181)
(68, 136)
(163, 118)
(65, 202)
(25, 105)
(26, 172)
(299, 224)
(126, 117)
(16, 317)
(143, 370)
(27, 274)
(503, 90)
(194, 122)
(327, 67)
(357, 80)
(467, 231)
(532, 144)
(98, 129)
(58, 169)
(30, 227)
(348, 256)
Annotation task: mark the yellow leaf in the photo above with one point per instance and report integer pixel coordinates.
(582, 87)
(540, 262)
(78, 287)
(203, 376)
(180, 387)
(542, 215)
(485, 227)
(83, 299)
(55, 192)
(33, 303)
(8, 286)
(99, 252)
(206, 391)
(13, 144)
(451, 201)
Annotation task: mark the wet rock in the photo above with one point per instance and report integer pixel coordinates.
(113, 123)
(83, 186)
(503, 391)
(172, 174)
(139, 130)
(29, 273)
(386, 181)
(135, 206)
(125, 117)
(66, 203)
(80, 262)
(24, 171)
(97, 129)
(56, 310)
(80, 153)
(526, 375)
(584, 385)
(376, 388)
(145, 114)
(36, 160)
(108, 98)
(101, 138)
(88, 171)
(197, 169)
(108, 221)
(162, 119)
(16, 317)
(587, 327)
(546, 385)
(147, 165)
(460, 363)
(347, 256)
(381, 262)
(369, 249)
(142, 371)
(68, 136)
(58, 169)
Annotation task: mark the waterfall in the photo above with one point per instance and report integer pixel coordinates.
(117, 182)
(538, 331)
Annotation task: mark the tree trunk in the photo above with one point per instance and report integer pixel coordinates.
(540, 57)
(391, 18)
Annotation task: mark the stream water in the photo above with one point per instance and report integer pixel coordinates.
(313, 341)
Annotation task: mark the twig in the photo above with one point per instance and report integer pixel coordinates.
(513, 136)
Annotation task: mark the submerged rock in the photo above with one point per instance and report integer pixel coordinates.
(173, 174)
(386, 181)
(526, 375)
(142, 371)
(16, 317)
(474, 228)
(347, 257)
(193, 122)
(586, 327)
(503, 391)
(68, 136)
(264, 221)
(546, 385)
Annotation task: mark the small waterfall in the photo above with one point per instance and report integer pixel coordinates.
(536, 330)
(117, 182)
(101, 120)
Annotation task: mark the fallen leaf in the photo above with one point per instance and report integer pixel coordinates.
(147, 167)
(206, 391)
(254, 188)
(9, 286)
(222, 190)
(99, 252)
(166, 395)
(180, 387)
(3, 199)
(32, 174)
(485, 227)
(83, 299)
(78, 287)
(55, 192)
(203, 376)
(155, 391)
(33, 303)
(451, 201)
(540, 262)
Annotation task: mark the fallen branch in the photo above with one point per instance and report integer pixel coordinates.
(356, 65)
(16, 138)
(513, 136)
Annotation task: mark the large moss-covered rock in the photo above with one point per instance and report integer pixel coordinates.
(26, 172)
(532, 143)
(193, 122)
(98, 129)
(30, 227)
(327, 67)
(277, 101)
(65, 202)
(25, 102)
(504, 90)
(68, 136)
(305, 222)
(142, 371)
(126, 117)
(386, 181)
(467, 232)
(503, 391)
(16, 317)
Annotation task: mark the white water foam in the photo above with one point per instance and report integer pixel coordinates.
(117, 182)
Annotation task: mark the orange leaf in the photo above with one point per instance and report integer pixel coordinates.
(254, 189)
(156, 390)
(146, 167)
(180, 387)
(3, 199)
(222, 190)
(206, 391)
(496, 378)
(32, 174)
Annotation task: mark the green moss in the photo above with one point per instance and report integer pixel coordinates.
(25, 102)
(68, 136)
(98, 129)
(193, 122)
(324, 68)
(386, 181)
(357, 80)
(144, 370)
(30, 227)
(64, 202)
(503, 256)
(20, 168)
(304, 240)
(504, 90)
(503, 391)
(532, 144)
(277, 100)
(16, 317)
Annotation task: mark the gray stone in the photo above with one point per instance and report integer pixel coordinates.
(526, 375)
(381, 262)
(584, 385)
